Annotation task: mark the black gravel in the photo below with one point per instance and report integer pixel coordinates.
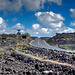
(54, 54)
(17, 64)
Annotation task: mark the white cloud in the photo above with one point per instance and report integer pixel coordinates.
(50, 19)
(72, 12)
(32, 5)
(66, 30)
(72, 23)
(45, 31)
(58, 2)
(39, 31)
(50, 24)
(1, 20)
(18, 26)
(35, 26)
(2, 23)
(69, 30)
(49, 32)
(8, 30)
(14, 5)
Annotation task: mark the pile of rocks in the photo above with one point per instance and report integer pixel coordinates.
(17, 64)
(53, 54)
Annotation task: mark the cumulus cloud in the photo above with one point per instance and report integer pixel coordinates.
(14, 28)
(35, 26)
(32, 5)
(72, 12)
(50, 24)
(49, 32)
(18, 26)
(66, 30)
(39, 31)
(50, 19)
(9, 30)
(2, 23)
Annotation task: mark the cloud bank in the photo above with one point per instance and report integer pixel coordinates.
(8, 30)
(50, 23)
(31, 5)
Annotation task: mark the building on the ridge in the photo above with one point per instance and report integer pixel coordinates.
(22, 37)
(4, 37)
(18, 33)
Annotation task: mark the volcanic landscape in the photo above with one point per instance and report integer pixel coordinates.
(23, 55)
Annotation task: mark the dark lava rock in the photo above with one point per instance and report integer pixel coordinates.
(14, 71)
(28, 73)
(34, 73)
(37, 66)
(73, 58)
(8, 69)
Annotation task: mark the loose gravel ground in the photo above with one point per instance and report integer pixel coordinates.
(18, 64)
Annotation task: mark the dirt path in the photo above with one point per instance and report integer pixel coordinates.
(46, 60)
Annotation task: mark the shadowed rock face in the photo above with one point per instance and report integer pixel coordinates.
(64, 38)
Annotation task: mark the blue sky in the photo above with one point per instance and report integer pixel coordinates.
(39, 17)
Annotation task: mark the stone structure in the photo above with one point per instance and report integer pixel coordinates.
(19, 32)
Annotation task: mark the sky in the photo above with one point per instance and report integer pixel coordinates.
(42, 18)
